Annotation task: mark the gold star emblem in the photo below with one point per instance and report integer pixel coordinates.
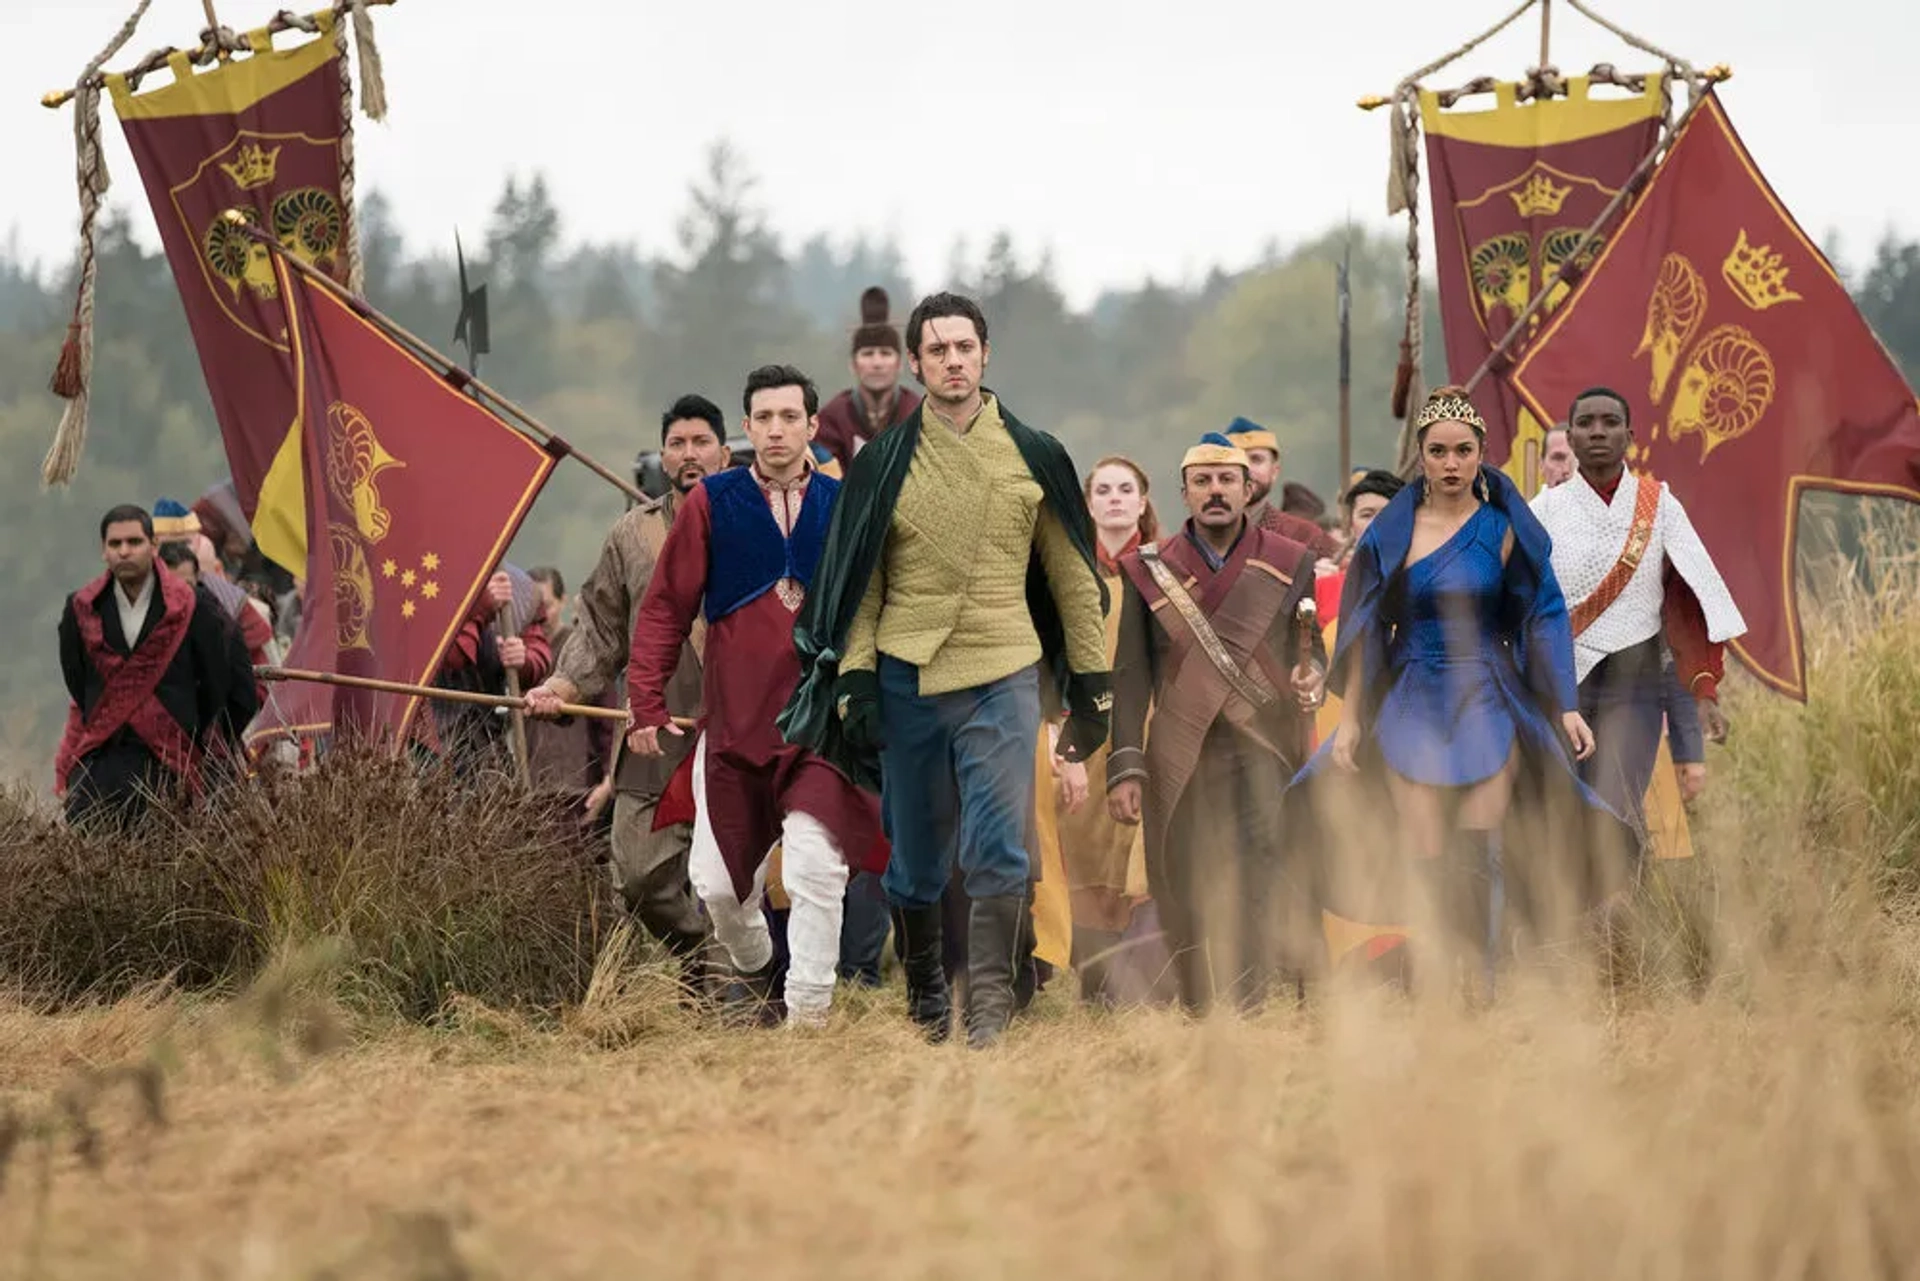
(430, 562)
(406, 609)
(430, 589)
(407, 578)
(388, 569)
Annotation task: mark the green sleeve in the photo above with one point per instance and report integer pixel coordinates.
(1076, 591)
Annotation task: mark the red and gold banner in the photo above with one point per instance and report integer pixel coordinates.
(1512, 190)
(1750, 374)
(413, 491)
(260, 133)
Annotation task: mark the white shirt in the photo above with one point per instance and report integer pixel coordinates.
(133, 613)
(1589, 534)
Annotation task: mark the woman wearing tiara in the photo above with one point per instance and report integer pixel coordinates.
(1460, 712)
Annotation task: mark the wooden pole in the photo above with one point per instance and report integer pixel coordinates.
(1546, 29)
(506, 627)
(423, 351)
(266, 673)
(1344, 305)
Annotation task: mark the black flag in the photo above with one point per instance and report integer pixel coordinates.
(471, 327)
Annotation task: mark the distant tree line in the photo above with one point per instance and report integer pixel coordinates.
(597, 338)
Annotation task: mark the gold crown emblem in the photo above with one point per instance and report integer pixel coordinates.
(253, 167)
(1755, 275)
(1540, 198)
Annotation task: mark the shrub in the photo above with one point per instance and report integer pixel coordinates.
(432, 888)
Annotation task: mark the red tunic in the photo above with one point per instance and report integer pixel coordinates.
(754, 776)
(844, 428)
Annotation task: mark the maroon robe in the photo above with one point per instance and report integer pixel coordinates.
(844, 429)
(754, 776)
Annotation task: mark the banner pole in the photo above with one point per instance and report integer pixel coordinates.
(424, 351)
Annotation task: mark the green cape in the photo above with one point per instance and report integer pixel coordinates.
(857, 539)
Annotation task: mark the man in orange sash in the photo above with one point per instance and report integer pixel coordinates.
(1210, 636)
(1632, 569)
(156, 674)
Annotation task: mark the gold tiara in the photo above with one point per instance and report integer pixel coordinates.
(1450, 409)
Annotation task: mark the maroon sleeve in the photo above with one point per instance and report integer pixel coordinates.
(1303, 531)
(465, 650)
(1700, 662)
(833, 435)
(539, 654)
(667, 610)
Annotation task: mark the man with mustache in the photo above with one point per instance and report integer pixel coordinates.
(649, 867)
(1633, 570)
(1212, 641)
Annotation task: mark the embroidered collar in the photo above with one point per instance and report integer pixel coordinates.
(772, 486)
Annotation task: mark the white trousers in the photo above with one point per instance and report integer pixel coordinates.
(813, 870)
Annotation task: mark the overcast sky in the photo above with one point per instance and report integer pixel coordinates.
(1128, 138)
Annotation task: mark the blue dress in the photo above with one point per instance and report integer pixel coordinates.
(1454, 702)
(1464, 662)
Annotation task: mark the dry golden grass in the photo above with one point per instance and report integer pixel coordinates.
(1764, 1123)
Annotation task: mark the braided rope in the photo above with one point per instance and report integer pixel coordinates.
(1680, 64)
(74, 370)
(373, 102)
(373, 80)
(1403, 192)
(356, 274)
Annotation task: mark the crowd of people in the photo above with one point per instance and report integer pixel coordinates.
(905, 672)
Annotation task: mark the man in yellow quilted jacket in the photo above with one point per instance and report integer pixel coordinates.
(957, 589)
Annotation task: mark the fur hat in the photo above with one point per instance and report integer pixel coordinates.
(875, 330)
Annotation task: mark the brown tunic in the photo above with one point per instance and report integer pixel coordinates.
(1251, 603)
(595, 655)
(1216, 765)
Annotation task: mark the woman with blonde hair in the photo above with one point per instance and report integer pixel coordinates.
(1102, 861)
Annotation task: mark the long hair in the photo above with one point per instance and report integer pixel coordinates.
(1149, 519)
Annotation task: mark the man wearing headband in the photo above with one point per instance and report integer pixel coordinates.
(1262, 449)
(1212, 640)
(1633, 570)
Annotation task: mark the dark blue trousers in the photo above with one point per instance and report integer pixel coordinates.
(957, 773)
(1622, 701)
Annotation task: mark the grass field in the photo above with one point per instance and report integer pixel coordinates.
(342, 1104)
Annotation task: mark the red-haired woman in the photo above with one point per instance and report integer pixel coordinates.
(1102, 860)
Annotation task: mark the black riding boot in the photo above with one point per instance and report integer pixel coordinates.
(918, 941)
(993, 943)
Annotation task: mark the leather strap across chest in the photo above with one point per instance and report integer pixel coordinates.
(1646, 506)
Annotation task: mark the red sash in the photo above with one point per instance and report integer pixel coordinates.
(1646, 505)
(128, 699)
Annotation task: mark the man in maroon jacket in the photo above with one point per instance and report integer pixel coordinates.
(876, 401)
(1263, 459)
